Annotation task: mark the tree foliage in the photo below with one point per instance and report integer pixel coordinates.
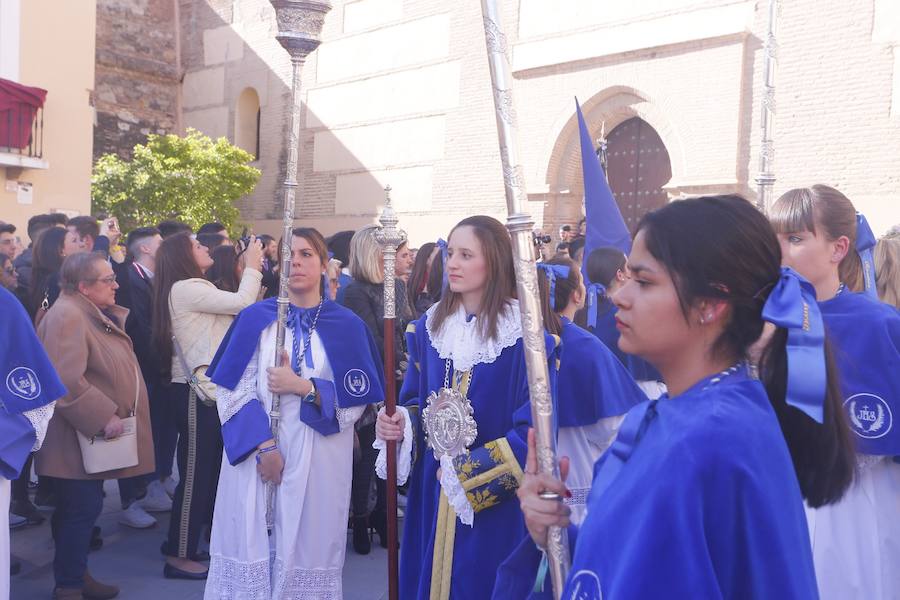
(192, 178)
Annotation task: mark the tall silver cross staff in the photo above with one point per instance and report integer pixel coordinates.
(520, 228)
(299, 26)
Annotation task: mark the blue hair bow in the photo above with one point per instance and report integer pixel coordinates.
(792, 305)
(442, 245)
(594, 292)
(865, 241)
(552, 272)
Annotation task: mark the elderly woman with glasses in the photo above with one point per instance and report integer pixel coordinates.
(83, 333)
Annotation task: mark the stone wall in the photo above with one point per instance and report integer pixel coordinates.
(136, 78)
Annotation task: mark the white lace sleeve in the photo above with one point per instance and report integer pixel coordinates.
(229, 402)
(404, 451)
(346, 417)
(40, 418)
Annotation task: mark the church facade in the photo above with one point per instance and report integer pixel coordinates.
(399, 93)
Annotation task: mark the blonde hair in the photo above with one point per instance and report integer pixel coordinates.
(887, 269)
(365, 256)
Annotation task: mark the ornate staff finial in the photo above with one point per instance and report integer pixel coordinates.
(299, 29)
(765, 179)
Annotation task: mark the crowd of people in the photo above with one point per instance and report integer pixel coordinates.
(724, 400)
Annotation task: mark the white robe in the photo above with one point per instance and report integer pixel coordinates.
(311, 504)
(583, 446)
(856, 542)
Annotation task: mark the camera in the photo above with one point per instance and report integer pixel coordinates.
(539, 238)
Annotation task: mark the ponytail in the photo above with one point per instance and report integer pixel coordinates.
(823, 453)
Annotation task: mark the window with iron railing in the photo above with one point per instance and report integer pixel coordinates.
(22, 129)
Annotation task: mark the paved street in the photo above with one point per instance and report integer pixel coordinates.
(130, 558)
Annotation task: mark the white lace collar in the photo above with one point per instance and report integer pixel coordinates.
(460, 341)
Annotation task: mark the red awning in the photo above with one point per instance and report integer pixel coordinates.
(18, 107)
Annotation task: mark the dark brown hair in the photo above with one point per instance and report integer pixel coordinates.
(174, 262)
(603, 264)
(46, 260)
(802, 209)
(224, 272)
(563, 290)
(418, 277)
(722, 247)
(501, 281)
(85, 226)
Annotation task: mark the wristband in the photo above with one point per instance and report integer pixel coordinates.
(262, 451)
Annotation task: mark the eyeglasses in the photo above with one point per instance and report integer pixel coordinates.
(108, 280)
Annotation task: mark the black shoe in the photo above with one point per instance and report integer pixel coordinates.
(378, 520)
(170, 572)
(24, 508)
(201, 556)
(362, 544)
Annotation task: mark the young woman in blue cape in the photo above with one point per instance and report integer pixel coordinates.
(856, 543)
(462, 518)
(330, 373)
(29, 387)
(701, 494)
(606, 268)
(593, 389)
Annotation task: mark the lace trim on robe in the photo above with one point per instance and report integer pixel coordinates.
(40, 418)
(460, 341)
(306, 584)
(230, 402)
(347, 417)
(237, 580)
(404, 451)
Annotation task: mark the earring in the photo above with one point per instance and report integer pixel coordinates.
(702, 320)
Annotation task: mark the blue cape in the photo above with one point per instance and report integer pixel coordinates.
(593, 383)
(705, 504)
(358, 373)
(29, 379)
(865, 341)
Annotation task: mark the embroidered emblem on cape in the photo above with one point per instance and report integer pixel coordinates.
(449, 423)
(870, 416)
(23, 383)
(356, 383)
(585, 586)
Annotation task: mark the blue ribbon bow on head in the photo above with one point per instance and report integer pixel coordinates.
(865, 242)
(442, 245)
(301, 320)
(792, 305)
(594, 292)
(552, 272)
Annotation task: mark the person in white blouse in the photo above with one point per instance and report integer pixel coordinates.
(194, 314)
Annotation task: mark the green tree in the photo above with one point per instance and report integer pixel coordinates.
(192, 178)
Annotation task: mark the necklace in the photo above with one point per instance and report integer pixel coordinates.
(722, 375)
(297, 352)
(840, 289)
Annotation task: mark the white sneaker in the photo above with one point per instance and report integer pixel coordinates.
(156, 500)
(169, 485)
(136, 517)
(16, 521)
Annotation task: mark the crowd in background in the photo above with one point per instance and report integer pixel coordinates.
(132, 318)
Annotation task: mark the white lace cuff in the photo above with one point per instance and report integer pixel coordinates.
(230, 402)
(39, 418)
(404, 452)
(454, 491)
(347, 417)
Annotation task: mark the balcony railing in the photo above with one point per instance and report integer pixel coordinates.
(22, 130)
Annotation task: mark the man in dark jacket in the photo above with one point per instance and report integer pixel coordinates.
(142, 244)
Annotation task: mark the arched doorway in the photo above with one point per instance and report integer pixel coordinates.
(637, 167)
(246, 122)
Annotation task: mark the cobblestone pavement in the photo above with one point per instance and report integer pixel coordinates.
(130, 559)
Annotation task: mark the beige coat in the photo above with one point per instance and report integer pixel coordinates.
(95, 361)
(201, 315)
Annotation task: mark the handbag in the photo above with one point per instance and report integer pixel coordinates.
(100, 454)
(204, 389)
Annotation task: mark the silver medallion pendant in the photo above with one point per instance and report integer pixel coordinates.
(449, 423)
